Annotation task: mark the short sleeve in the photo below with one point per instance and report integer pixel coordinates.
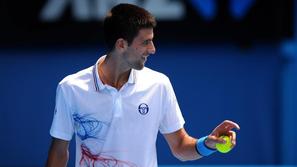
(172, 119)
(62, 125)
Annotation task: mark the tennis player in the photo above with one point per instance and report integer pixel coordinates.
(116, 107)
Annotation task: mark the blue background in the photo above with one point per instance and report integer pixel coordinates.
(212, 83)
(255, 87)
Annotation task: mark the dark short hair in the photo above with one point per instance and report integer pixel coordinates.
(125, 21)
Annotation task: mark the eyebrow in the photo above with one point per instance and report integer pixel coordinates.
(147, 40)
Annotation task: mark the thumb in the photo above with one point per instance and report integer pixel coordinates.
(216, 139)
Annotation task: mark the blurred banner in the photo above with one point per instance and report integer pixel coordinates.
(80, 21)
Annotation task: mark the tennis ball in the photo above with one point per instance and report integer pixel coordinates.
(224, 148)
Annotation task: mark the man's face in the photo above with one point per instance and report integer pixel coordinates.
(141, 47)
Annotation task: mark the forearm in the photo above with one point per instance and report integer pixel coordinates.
(58, 153)
(187, 149)
(184, 147)
(57, 159)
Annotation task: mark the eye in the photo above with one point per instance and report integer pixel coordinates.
(146, 42)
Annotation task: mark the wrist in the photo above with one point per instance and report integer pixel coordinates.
(209, 144)
(202, 148)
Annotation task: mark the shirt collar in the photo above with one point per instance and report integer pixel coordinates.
(99, 84)
(132, 77)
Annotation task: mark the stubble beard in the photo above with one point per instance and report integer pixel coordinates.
(140, 64)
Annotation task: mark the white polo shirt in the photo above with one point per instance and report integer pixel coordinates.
(115, 128)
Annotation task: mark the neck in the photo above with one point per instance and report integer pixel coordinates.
(112, 73)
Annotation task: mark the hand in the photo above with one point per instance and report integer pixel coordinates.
(225, 128)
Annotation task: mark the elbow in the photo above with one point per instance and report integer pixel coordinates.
(180, 155)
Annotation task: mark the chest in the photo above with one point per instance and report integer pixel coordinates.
(123, 113)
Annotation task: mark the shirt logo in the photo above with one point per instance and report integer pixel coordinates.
(143, 109)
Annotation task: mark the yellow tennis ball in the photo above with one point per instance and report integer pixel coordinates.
(224, 148)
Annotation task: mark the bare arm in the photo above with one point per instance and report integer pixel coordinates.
(183, 146)
(58, 154)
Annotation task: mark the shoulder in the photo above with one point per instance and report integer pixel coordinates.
(147, 75)
(78, 79)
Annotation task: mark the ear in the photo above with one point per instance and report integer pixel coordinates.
(121, 44)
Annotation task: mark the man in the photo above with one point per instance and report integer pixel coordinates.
(116, 107)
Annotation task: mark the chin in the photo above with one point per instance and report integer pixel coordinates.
(140, 67)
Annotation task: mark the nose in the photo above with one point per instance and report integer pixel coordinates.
(151, 48)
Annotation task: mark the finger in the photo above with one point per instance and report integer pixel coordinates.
(232, 136)
(228, 125)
